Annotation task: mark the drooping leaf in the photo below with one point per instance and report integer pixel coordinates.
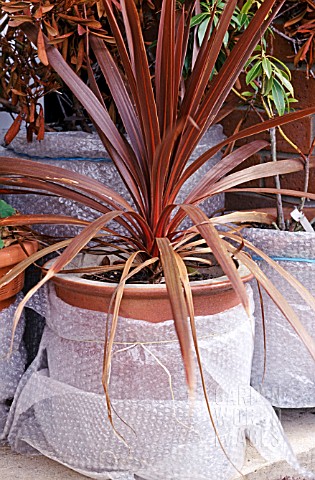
(178, 304)
(280, 301)
(213, 239)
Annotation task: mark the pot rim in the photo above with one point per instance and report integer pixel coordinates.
(215, 283)
(13, 254)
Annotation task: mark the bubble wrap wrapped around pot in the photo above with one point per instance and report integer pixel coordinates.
(289, 380)
(11, 366)
(60, 411)
(84, 153)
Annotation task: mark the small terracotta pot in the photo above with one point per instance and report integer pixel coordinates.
(147, 302)
(9, 257)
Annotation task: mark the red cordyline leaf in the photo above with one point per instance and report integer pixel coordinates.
(110, 336)
(40, 188)
(16, 220)
(165, 68)
(302, 291)
(95, 89)
(160, 168)
(72, 186)
(45, 219)
(245, 133)
(124, 104)
(64, 177)
(124, 57)
(224, 167)
(180, 39)
(269, 169)
(142, 77)
(217, 172)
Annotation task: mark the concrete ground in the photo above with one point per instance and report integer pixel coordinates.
(298, 425)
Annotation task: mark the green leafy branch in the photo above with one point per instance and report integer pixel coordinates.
(270, 81)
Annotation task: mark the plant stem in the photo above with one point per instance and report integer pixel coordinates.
(307, 173)
(290, 142)
(280, 214)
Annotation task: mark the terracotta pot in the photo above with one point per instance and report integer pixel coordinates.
(9, 257)
(147, 302)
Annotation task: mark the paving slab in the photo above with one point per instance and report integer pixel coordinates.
(298, 425)
(23, 467)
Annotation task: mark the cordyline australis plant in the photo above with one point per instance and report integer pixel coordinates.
(164, 119)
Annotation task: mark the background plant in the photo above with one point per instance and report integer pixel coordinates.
(25, 80)
(299, 26)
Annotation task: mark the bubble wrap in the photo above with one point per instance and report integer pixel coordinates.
(289, 380)
(11, 367)
(84, 153)
(60, 409)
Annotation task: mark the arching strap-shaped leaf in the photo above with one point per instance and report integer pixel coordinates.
(114, 142)
(302, 291)
(75, 245)
(228, 163)
(20, 220)
(222, 84)
(244, 217)
(264, 170)
(20, 267)
(166, 101)
(121, 97)
(218, 247)
(67, 178)
(245, 133)
(217, 172)
(275, 191)
(142, 77)
(189, 299)
(110, 335)
(178, 305)
(278, 299)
